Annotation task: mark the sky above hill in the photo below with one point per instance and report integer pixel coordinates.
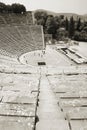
(64, 6)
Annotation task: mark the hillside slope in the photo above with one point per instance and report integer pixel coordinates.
(68, 15)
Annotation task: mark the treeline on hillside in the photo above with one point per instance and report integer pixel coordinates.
(61, 27)
(14, 8)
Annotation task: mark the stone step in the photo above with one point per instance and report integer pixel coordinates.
(20, 110)
(75, 113)
(73, 103)
(78, 124)
(16, 123)
(55, 125)
(49, 114)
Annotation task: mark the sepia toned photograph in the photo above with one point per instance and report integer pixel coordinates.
(43, 64)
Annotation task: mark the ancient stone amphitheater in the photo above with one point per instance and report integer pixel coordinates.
(39, 89)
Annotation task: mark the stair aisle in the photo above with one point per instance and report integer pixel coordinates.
(49, 114)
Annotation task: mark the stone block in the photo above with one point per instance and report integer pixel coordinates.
(16, 123)
(52, 125)
(76, 113)
(20, 99)
(20, 110)
(72, 102)
(78, 124)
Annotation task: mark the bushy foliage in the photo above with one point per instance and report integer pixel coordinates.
(62, 34)
(9, 9)
(2, 7)
(18, 8)
(51, 26)
(41, 17)
(14, 8)
(61, 27)
(71, 27)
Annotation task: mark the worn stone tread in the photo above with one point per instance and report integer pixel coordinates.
(70, 95)
(17, 110)
(72, 103)
(20, 99)
(55, 125)
(78, 124)
(16, 123)
(76, 113)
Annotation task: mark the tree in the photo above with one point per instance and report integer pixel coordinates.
(62, 34)
(85, 29)
(41, 17)
(67, 24)
(51, 26)
(14, 8)
(83, 36)
(18, 8)
(8, 8)
(40, 14)
(61, 28)
(77, 36)
(2, 7)
(71, 27)
(78, 25)
(61, 16)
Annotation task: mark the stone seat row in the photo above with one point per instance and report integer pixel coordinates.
(20, 39)
(71, 93)
(7, 18)
(18, 101)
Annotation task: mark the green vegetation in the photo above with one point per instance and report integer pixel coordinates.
(61, 27)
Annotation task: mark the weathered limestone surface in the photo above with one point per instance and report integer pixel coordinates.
(71, 95)
(78, 124)
(50, 115)
(63, 93)
(16, 123)
(18, 101)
